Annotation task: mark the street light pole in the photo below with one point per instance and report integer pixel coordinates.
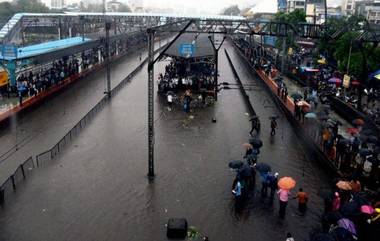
(107, 49)
(150, 104)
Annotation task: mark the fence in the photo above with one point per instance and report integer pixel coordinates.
(9, 186)
(25, 169)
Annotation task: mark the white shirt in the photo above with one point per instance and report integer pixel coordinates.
(170, 98)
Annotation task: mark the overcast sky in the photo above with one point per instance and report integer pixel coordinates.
(206, 6)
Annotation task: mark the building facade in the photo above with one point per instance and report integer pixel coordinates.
(57, 4)
(295, 4)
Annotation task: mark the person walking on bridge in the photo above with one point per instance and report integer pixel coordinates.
(273, 126)
(255, 124)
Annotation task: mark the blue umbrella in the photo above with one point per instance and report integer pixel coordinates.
(256, 143)
(263, 167)
(365, 152)
(311, 115)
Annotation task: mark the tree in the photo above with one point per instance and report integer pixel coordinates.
(293, 18)
(231, 11)
(30, 6)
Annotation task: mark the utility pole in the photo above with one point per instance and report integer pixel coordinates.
(216, 51)
(151, 103)
(107, 49)
(283, 55)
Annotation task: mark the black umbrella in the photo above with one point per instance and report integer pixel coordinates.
(372, 139)
(322, 237)
(263, 167)
(342, 234)
(245, 171)
(332, 217)
(367, 132)
(350, 209)
(235, 164)
(365, 152)
(256, 143)
(296, 96)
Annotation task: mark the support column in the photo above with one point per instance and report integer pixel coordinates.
(216, 75)
(70, 32)
(283, 55)
(108, 54)
(150, 103)
(59, 29)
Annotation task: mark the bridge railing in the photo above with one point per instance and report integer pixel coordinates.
(9, 187)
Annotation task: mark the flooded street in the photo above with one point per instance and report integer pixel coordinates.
(98, 190)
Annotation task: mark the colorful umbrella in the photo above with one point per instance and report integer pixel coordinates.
(358, 122)
(335, 80)
(344, 185)
(347, 224)
(367, 209)
(286, 183)
(352, 131)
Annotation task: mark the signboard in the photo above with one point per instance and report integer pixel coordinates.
(9, 51)
(186, 50)
(346, 81)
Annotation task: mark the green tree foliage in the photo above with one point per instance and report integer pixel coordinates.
(293, 18)
(7, 9)
(231, 11)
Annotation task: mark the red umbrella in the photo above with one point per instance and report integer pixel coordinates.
(352, 131)
(286, 183)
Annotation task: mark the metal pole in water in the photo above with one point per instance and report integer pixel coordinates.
(150, 104)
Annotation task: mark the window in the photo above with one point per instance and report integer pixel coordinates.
(349, 6)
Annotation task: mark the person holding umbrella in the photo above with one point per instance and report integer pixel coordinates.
(285, 184)
(255, 124)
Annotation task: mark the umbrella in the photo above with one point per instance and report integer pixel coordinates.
(347, 224)
(332, 217)
(372, 139)
(343, 185)
(367, 209)
(296, 96)
(341, 234)
(286, 183)
(335, 80)
(257, 143)
(352, 131)
(358, 122)
(247, 146)
(350, 209)
(322, 237)
(365, 152)
(235, 164)
(245, 171)
(311, 115)
(366, 132)
(263, 167)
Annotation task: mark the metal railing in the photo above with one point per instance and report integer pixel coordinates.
(21, 173)
(25, 169)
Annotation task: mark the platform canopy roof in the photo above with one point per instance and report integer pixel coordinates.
(191, 45)
(13, 53)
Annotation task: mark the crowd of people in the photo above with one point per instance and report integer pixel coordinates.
(33, 82)
(182, 75)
